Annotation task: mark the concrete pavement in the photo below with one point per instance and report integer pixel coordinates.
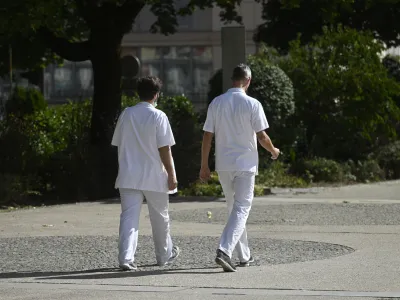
(283, 249)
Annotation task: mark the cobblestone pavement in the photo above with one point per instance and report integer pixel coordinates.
(67, 254)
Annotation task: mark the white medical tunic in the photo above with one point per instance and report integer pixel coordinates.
(141, 130)
(235, 118)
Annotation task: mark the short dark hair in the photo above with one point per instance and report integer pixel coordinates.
(147, 87)
(241, 72)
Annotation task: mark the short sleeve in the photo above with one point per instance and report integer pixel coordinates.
(258, 119)
(209, 125)
(165, 137)
(116, 140)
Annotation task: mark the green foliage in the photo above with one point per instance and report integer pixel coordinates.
(389, 159)
(53, 146)
(15, 189)
(366, 171)
(277, 175)
(319, 170)
(25, 102)
(185, 125)
(330, 171)
(285, 19)
(49, 145)
(127, 101)
(212, 188)
(343, 94)
(273, 88)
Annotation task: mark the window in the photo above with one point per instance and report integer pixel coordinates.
(183, 70)
(71, 80)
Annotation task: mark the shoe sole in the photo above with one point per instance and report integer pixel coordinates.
(225, 266)
(246, 264)
(123, 268)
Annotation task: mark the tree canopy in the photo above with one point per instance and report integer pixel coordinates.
(345, 99)
(68, 27)
(285, 19)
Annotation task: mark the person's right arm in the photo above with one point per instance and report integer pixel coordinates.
(209, 128)
(168, 162)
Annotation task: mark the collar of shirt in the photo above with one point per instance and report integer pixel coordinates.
(145, 104)
(235, 90)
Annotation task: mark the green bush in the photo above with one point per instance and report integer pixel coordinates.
(17, 190)
(277, 175)
(69, 171)
(366, 171)
(212, 188)
(25, 102)
(185, 126)
(51, 146)
(320, 170)
(392, 64)
(389, 159)
(343, 94)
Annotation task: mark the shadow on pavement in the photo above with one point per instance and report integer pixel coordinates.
(172, 199)
(106, 273)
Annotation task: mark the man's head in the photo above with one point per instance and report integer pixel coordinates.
(241, 76)
(148, 88)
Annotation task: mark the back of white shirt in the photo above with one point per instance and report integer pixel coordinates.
(235, 118)
(141, 130)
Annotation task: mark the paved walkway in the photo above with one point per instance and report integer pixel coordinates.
(341, 243)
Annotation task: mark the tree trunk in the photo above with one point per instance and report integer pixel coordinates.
(107, 92)
(106, 65)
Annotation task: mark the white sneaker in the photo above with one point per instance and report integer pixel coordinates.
(175, 253)
(128, 267)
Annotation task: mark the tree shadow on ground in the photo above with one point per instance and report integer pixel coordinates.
(106, 273)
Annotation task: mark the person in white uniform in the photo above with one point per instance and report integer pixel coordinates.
(144, 139)
(237, 121)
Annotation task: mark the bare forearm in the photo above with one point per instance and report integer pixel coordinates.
(265, 141)
(167, 160)
(206, 148)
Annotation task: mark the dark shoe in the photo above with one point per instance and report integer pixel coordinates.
(246, 263)
(224, 261)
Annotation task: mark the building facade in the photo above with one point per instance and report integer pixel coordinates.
(185, 61)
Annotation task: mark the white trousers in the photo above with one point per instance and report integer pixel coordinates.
(131, 203)
(238, 188)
